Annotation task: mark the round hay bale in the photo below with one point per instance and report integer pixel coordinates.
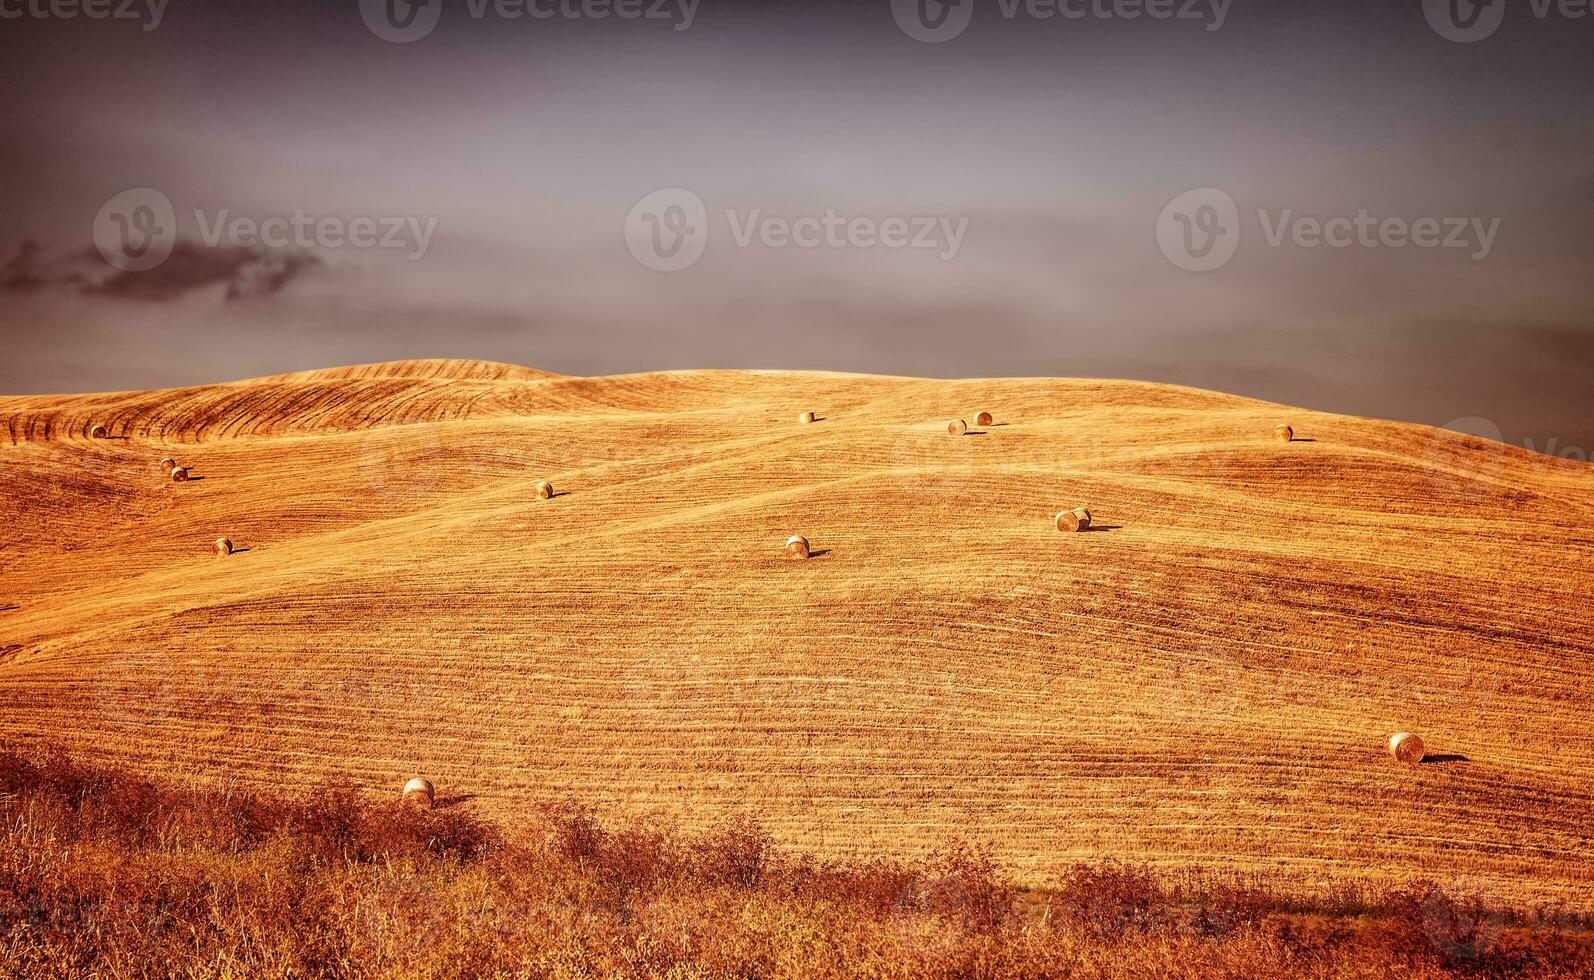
(420, 792)
(957, 427)
(1284, 433)
(1077, 519)
(223, 546)
(797, 546)
(1406, 747)
(984, 418)
(544, 490)
(179, 474)
(805, 417)
(168, 464)
(98, 432)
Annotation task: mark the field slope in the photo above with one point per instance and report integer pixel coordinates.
(1207, 678)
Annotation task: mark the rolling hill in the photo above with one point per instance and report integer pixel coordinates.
(1204, 678)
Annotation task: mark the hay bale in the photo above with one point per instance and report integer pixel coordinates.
(805, 418)
(1077, 519)
(98, 432)
(179, 474)
(420, 792)
(957, 427)
(223, 546)
(984, 418)
(1406, 747)
(797, 546)
(168, 464)
(544, 490)
(1284, 433)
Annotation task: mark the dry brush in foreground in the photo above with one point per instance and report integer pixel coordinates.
(103, 873)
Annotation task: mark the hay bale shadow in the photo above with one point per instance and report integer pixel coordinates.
(1440, 758)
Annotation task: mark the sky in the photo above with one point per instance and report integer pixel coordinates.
(1375, 208)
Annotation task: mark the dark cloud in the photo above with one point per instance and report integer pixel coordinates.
(241, 272)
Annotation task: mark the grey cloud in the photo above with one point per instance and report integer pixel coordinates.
(242, 272)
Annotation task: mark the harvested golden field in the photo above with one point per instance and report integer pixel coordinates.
(1206, 676)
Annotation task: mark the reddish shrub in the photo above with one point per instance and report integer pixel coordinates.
(737, 855)
(1110, 900)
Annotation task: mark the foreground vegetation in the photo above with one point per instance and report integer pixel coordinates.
(106, 874)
